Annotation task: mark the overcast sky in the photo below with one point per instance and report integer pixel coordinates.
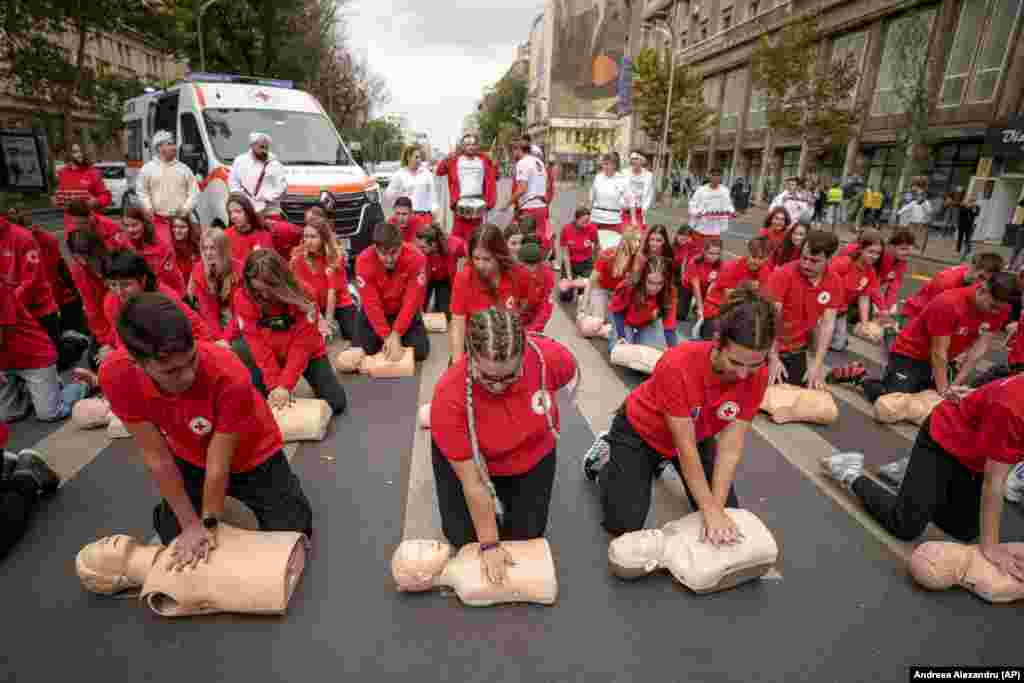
(438, 55)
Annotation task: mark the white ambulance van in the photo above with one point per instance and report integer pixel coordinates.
(212, 116)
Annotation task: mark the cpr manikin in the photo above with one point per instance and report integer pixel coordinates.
(869, 331)
(938, 565)
(701, 567)
(789, 403)
(423, 565)
(592, 326)
(356, 360)
(636, 357)
(900, 407)
(249, 572)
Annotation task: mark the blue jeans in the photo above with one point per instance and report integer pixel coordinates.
(652, 335)
(51, 398)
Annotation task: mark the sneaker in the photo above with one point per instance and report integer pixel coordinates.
(596, 457)
(31, 463)
(8, 463)
(845, 468)
(662, 467)
(1015, 484)
(895, 471)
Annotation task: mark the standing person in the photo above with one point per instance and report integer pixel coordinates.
(858, 272)
(415, 182)
(259, 176)
(392, 280)
(711, 207)
(873, 199)
(491, 278)
(202, 429)
(639, 190)
(280, 338)
(643, 308)
(541, 282)
(775, 226)
(319, 265)
(79, 180)
(186, 235)
(753, 268)
(215, 279)
(608, 196)
(443, 252)
(694, 412)
(494, 483)
(791, 245)
(794, 199)
(982, 267)
(24, 479)
(807, 298)
(956, 477)
(701, 272)
(611, 269)
(248, 231)
(579, 246)
(529, 190)
(967, 216)
(165, 186)
(958, 321)
(139, 235)
(471, 175)
(88, 261)
(915, 210)
(408, 222)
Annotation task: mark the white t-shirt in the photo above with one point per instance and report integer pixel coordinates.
(530, 170)
(418, 187)
(641, 189)
(607, 199)
(471, 176)
(711, 210)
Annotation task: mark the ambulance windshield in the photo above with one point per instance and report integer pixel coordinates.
(299, 138)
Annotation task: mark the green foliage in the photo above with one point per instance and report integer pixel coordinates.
(691, 117)
(907, 42)
(503, 111)
(381, 140)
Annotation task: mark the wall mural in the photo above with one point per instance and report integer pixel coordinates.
(587, 55)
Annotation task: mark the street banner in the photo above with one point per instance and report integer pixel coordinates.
(625, 88)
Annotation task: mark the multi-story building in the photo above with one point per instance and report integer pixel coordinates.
(122, 54)
(974, 81)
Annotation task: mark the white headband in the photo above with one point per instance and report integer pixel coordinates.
(257, 137)
(637, 155)
(162, 137)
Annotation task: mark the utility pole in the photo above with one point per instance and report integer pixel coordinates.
(670, 29)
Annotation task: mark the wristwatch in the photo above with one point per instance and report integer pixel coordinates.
(210, 521)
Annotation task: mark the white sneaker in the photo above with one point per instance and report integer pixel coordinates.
(895, 471)
(1015, 484)
(844, 467)
(596, 457)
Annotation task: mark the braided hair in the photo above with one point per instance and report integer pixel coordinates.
(497, 334)
(747, 319)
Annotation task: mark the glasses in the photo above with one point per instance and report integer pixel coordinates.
(498, 380)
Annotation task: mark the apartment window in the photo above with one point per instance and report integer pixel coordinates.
(704, 29)
(755, 7)
(790, 162)
(726, 18)
(850, 44)
(904, 57)
(979, 51)
(712, 89)
(757, 117)
(732, 102)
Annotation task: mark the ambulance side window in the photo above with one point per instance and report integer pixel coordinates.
(134, 132)
(192, 153)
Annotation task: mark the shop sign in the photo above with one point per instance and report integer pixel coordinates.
(1008, 141)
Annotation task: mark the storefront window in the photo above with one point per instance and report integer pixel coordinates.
(979, 50)
(790, 163)
(952, 168)
(882, 168)
(903, 59)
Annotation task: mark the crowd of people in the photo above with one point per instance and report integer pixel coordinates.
(195, 334)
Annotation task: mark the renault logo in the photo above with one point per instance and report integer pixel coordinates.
(327, 200)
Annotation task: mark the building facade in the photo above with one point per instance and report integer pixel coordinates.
(974, 65)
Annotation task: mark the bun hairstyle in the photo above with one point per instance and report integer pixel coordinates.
(747, 319)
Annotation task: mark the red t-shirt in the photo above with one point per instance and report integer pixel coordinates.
(1016, 344)
(242, 244)
(55, 267)
(703, 271)
(857, 280)
(579, 241)
(730, 276)
(890, 277)
(397, 293)
(21, 266)
(513, 292)
(160, 258)
(282, 355)
(683, 254)
(542, 286)
(285, 236)
(644, 313)
(508, 451)
(951, 278)
(74, 178)
(217, 312)
(684, 385)
(986, 424)
(94, 291)
(411, 226)
(186, 257)
(25, 344)
(951, 314)
(605, 268)
(112, 308)
(317, 280)
(222, 400)
(443, 268)
(802, 303)
(775, 237)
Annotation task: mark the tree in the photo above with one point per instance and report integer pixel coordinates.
(811, 104)
(502, 113)
(691, 116)
(594, 138)
(380, 139)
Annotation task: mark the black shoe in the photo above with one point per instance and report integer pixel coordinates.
(32, 464)
(8, 463)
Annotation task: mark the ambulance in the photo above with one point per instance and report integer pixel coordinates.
(212, 116)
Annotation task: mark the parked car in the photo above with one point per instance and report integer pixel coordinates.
(115, 177)
(383, 171)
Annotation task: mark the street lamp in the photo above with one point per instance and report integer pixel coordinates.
(669, 29)
(203, 6)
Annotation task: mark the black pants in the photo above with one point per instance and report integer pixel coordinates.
(997, 372)
(271, 490)
(579, 269)
(319, 373)
(902, 374)
(936, 488)
(626, 478)
(368, 339)
(18, 496)
(964, 235)
(708, 329)
(684, 299)
(68, 352)
(441, 291)
(525, 498)
(346, 317)
(795, 363)
(72, 317)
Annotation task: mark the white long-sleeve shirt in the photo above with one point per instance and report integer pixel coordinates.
(607, 199)
(711, 210)
(916, 209)
(639, 189)
(166, 188)
(796, 204)
(418, 187)
(245, 178)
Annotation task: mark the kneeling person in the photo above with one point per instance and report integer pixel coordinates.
(201, 426)
(694, 411)
(392, 280)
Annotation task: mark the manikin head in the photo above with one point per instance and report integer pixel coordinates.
(402, 211)
(777, 220)
(495, 341)
(608, 164)
(165, 145)
(636, 162)
(159, 338)
(745, 334)
(638, 553)
(259, 145)
(387, 241)
(489, 253)
(869, 247)
(901, 244)
(106, 565)
(417, 564)
(996, 293)
(470, 145)
(817, 249)
(983, 266)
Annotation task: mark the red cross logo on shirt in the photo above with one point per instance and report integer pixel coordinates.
(824, 298)
(200, 426)
(728, 411)
(863, 283)
(32, 257)
(540, 402)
